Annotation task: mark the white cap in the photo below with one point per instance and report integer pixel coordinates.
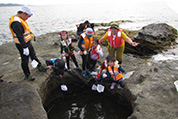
(89, 32)
(26, 9)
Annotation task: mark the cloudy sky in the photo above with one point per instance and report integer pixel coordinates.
(55, 2)
(173, 4)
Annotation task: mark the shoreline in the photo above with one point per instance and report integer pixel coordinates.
(98, 26)
(150, 86)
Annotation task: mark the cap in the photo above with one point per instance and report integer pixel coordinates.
(26, 9)
(116, 26)
(89, 32)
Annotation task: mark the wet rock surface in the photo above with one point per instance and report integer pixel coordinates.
(149, 90)
(153, 39)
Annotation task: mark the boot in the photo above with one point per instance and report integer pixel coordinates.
(84, 75)
(42, 68)
(29, 78)
(88, 73)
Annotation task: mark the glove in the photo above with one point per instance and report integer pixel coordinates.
(98, 75)
(85, 52)
(104, 75)
(26, 51)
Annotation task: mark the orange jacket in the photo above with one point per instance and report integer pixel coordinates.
(27, 34)
(87, 43)
(115, 74)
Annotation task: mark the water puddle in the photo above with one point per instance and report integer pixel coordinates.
(88, 105)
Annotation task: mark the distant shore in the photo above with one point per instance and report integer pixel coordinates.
(9, 4)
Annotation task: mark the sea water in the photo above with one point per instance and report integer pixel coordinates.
(55, 18)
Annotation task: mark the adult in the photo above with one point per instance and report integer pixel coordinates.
(22, 36)
(116, 42)
(84, 44)
(81, 28)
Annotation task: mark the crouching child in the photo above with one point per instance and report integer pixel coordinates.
(115, 74)
(58, 65)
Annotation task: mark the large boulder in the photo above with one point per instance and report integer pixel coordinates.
(153, 39)
(20, 101)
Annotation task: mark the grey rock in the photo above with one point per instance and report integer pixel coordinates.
(149, 91)
(20, 101)
(153, 39)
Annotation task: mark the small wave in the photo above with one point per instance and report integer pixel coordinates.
(164, 57)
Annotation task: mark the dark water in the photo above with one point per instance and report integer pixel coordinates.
(88, 105)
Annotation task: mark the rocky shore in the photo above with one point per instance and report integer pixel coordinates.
(150, 92)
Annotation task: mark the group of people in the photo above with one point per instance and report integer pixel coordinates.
(89, 49)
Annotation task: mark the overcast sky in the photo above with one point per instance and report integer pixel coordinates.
(172, 3)
(55, 2)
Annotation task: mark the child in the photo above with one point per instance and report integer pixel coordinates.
(95, 53)
(58, 66)
(83, 26)
(68, 48)
(103, 68)
(115, 73)
(84, 45)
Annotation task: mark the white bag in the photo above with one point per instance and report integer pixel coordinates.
(94, 87)
(176, 85)
(64, 87)
(100, 88)
(34, 63)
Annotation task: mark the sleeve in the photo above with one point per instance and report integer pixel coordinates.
(105, 35)
(49, 62)
(19, 31)
(124, 36)
(100, 52)
(80, 43)
(81, 27)
(62, 48)
(121, 69)
(92, 26)
(74, 40)
(102, 65)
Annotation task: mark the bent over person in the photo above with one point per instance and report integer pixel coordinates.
(116, 41)
(22, 36)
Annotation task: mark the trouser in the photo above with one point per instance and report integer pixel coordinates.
(93, 63)
(73, 59)
(118, 52)
(109, 79)
(25, 59)
(85, 61)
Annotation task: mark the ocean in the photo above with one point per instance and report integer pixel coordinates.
(47, 19)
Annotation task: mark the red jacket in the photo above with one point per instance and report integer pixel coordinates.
(118, 39)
